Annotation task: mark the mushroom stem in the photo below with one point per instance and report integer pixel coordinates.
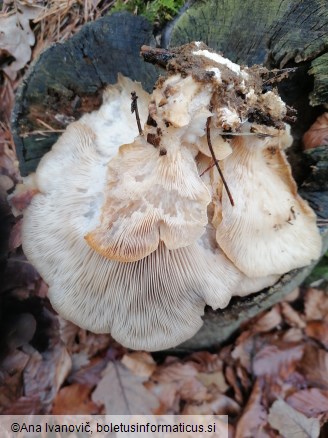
(208, 136)
(134, 109)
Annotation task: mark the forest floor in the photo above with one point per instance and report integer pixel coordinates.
(271, 378)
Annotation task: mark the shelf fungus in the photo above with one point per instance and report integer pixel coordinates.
(141, 219)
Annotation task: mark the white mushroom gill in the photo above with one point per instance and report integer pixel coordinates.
(135, 234)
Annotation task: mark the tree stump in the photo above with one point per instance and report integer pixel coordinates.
(67, 79)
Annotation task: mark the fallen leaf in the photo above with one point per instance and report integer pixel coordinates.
(11, 369)
(231, 377)
(123, 393)
(74, 400)
(184, 375)
(254, 416)
(273, 359)
(90, 374)
(167, 395)
(311, 402)
(291, 316)
(45, 373)
(219, 405)
(316, 304)
(139, 363)
(314, 366)
(318, 330)
(217, 379)
(15, 238)
(291, 423)
(269, 321)
(244, 379)
(206, 362)
(17, 37)
(77, 339)
(25, 406)
(79, 360)
(292, 296)
(6, 183)
(21, 198)
(317, 134)
(246, 347)
(292, 335)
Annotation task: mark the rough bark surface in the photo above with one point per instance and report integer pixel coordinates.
(256, 32)
(67, 80)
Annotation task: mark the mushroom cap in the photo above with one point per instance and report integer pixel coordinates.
(270, 230)
(150, 198)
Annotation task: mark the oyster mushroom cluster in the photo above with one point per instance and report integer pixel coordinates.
(135, 234)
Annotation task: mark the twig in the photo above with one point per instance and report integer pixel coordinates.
(134, 109)
(208, 168)
(279, 75)
(208, 135)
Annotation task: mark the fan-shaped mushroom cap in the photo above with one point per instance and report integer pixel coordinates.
(270, 230)
(150, 198)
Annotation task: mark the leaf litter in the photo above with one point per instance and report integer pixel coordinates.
(271, 379)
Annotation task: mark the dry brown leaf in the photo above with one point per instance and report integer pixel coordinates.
(11, 369)
(269, 321)
(254, 416)
(15, 238)
(184, 375)
(90, 374)
(292, 296)
(291, 423)
(25, 406)
(77, 339)
(123, 393)
(246, 347)
(17, 37)
(6, 183)
(275, 359)
(139, 363)
(206, 362)
(231, 377)
(79, 360)
(291, 316)
(314, 367)
(311, 402)
(21, 198)
(317, 134)
(74, 399)
(219, 405)
(45, 373)
(292, 335)
(316, 304)
(167, 395)
(217, 379)
(318, 330)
